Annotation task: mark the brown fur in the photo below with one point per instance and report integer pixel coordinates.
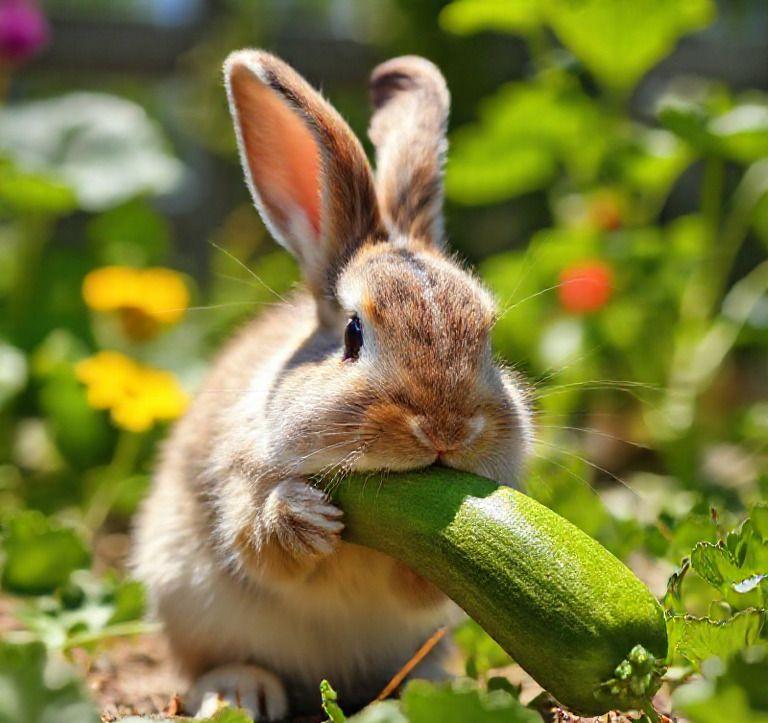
(241, 556)
(408, 130)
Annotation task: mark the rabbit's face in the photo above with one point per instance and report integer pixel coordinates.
(415, 382)
(417, 341)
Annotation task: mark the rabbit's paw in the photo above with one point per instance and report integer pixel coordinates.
(255, 690)
(301, 520)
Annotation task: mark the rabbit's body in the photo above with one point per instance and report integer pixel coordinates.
(355, 618)
(384, 364)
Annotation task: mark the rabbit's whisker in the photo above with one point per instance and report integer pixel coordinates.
(596, 432)
(249, 271)
(586, 461)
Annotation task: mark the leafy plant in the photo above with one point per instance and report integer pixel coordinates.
(642, 330)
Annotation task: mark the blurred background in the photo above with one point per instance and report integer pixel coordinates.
(608, 176)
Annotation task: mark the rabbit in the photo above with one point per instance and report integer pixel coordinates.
(381, 362)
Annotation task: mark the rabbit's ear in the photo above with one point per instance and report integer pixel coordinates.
(408, 128)
(307, 172)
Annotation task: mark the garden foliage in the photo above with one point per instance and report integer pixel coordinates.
(631, 323)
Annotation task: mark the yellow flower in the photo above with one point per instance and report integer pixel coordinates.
(137, 396)
(144, 299)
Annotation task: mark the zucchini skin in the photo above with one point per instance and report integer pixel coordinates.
(556, 600)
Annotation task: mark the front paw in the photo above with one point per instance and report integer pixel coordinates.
(301, 520)
(255, 690)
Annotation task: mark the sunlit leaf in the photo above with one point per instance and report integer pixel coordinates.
(715, 565)
(698, 639)
(743, 131)
(33, 192)
(759, 517)
(462, 701)
(39, 554)
(471, 16)
(386, 711)
(525, 132)
(329, 699)
(739, 134)
(620, 41)
(653, 161)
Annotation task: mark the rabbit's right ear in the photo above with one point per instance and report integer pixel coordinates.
(307, 172)
(408, 128)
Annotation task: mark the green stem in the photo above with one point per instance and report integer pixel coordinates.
(712, 196)
(127, 451)
(35, 232)
(746, 198)
(691, 376)
(134, 627)
(698, 299)
(702, 344)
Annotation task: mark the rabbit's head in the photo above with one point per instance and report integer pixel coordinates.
(410, 375)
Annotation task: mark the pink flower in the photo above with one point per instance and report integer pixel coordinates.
(23, 30)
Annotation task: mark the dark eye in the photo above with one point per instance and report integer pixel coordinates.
(353, 338)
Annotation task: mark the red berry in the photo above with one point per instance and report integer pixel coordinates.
(585, 287)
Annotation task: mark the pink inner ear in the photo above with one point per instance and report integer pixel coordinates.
(282, 154)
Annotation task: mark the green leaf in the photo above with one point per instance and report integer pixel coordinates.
(525, 131)
(715, 565)
(230, 715)
(619, 41)
(34, 689)
(735, 693)
(688, 532)
(34, 193)
(85, 610)
(39, 554)
(759, 517)
(698, 639)
(386, 711)
(129, 602)
(461, 701)
(742, 132)
(133, 234)
(739, 133)
(481, 651)
(329, 701)
(81, 433)
(471, 16)
(652, 161)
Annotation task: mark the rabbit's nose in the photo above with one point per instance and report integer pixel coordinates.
(443, 441)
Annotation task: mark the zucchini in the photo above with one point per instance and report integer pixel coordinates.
(568, 611)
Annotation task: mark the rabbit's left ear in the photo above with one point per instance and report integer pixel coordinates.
(307, 172)
(408, 128)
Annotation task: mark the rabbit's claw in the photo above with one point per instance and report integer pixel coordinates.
(302, 519)
(255, 690)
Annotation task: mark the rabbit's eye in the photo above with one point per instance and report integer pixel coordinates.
(353, 338)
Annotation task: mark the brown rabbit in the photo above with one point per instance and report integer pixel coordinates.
(384, 362)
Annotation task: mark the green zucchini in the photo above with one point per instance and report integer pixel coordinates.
(568, 611)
